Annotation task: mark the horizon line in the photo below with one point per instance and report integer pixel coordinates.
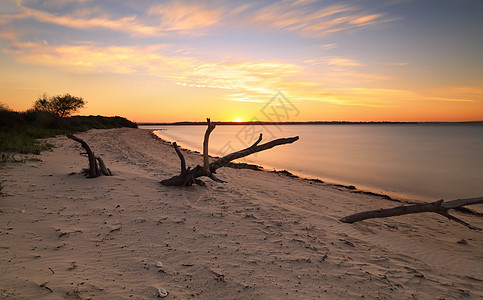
(306, 122)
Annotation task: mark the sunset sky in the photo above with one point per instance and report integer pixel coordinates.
(394, 60)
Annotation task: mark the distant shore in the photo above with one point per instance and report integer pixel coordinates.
(310, 123)
(260, 235)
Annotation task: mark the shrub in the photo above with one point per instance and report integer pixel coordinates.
(19, 131)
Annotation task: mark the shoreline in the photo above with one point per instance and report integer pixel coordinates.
(373, 160)
(394, 197)
(260, 235)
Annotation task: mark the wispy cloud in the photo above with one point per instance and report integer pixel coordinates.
(243, 80)
(59, 3)
(126, 24)
(158, 20)
(344, 62)
(335, 61)
(328, 46)
(252, 78)
(337, 70)
(311, 19)
(185, 17)
(307, 18)
(374, 97)
(398, 64)
(456, 94)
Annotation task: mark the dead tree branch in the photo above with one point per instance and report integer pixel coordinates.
(439, 207)
(190, 176)
(250, 150)
(206, 161)
(181, 158)
(96, 164)
(103, 167)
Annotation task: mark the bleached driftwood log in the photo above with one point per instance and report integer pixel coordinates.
(189, 176)
(441, 207)
(96, 164)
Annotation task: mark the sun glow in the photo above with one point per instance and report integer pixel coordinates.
(238, 120)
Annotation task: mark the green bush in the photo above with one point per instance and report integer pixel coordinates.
(19, 131)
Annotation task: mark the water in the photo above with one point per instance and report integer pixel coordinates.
(427, 162)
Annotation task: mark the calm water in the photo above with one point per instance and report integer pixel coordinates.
(416, 161)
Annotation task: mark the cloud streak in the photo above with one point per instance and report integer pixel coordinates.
(185, 17)
(158, 20)
(378, 97)
(253, 78)
(127, 24)
(312, 20)
(244, 80)
(307, 18)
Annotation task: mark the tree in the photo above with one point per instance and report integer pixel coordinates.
(60, 106)
(4, 107)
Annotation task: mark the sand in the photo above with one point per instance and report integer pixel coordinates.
(261, 235)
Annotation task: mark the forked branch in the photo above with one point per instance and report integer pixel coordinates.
(206, 161)
(181, 158)
(225, 160)
(190, 176)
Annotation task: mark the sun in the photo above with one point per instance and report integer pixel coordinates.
(238, 120)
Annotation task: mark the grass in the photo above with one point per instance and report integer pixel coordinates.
(20, 142)
(19, 132)
(10, 157)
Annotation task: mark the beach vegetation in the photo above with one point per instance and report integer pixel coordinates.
(20, 131)
(13, 158)
(59, 106)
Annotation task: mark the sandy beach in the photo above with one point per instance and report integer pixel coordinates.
(260, 235)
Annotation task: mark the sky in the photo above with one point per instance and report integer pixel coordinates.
(285, 60)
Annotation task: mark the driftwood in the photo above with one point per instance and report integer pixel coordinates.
(439, 207)
(96, 164)
(189, 176)
(104, 170)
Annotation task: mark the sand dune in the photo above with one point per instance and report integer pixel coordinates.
(259, 236)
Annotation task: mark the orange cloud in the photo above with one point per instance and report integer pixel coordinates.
(328, 46)
(185, 17)
(366, 20)
(256, 79)
(243, 80)
(373, 97)
(345, 62)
